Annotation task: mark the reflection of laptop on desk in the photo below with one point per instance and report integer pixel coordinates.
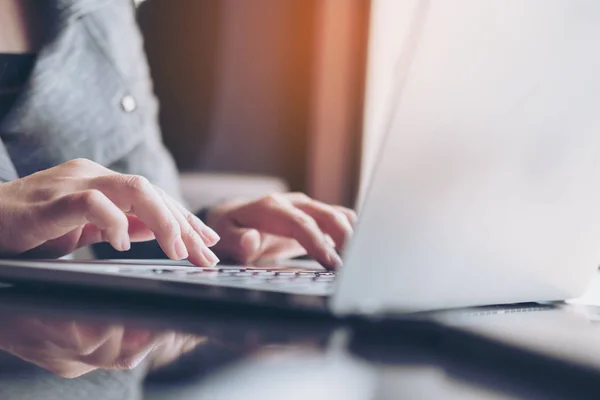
(487, 190)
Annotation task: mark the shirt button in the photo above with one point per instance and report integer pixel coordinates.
(128, 103)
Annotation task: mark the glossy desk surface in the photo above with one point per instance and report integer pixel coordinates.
(64, 345)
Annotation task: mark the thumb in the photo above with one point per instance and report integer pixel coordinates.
(240, 244)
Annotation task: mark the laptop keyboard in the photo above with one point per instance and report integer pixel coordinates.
(277, 279)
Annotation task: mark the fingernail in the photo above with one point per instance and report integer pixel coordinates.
(212, 234)
(126, 244)
(180, 250)
(209, 237)
(210, 256)
(251, 241)
(334, 258)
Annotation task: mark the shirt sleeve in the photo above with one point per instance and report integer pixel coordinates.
(7, 169)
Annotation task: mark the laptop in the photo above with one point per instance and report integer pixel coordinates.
(486, 189)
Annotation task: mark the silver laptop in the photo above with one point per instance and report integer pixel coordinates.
(486, 190)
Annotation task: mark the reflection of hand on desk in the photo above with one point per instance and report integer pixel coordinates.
(71, 349)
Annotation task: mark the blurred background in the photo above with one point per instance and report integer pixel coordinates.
(271, 88)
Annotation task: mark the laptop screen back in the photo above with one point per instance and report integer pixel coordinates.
(487, 187)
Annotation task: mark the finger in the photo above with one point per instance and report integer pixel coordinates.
(89, 338)
(209, 236)
(331, 221)
(130, 358)
(136, 195)
(90, 234)
(199, 253)
(171, 349)
(80, 208)
(64, 338)
(102, 352)
(134, 338)
(350, 214)
(138, 232)
(279, 217)
(242, 245)
(58, 247)
(280, 248)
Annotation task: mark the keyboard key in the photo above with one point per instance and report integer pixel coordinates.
(242, 273)
(324, 278)
(302, 278)
(281, 273)
(301, 281)
(186, 271)
(159, 270)
(263, 273)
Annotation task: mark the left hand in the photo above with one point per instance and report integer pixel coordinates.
(282, 226)
(70, 348)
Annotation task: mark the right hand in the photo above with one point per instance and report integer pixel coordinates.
(53, 212)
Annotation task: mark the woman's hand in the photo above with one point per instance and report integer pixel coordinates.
(71, 348)
(282, 225)
(78, 203)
